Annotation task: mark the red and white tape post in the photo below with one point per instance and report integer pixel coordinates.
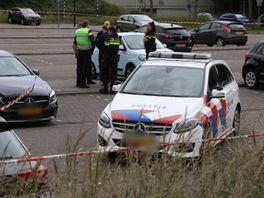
(122, 149)
(22, 95)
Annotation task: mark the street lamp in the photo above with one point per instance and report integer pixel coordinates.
(74, 13)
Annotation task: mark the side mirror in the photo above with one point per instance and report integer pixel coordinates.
(165, 45)
(36, 72)
(116, 88)
(122, 48)
(217, 94)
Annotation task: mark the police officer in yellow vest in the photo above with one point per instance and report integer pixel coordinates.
(150, 39)
(84, 41)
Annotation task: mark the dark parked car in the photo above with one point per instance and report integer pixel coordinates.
(234, 17)
(15, 77)
(129, 23)
(253, 69)
(220, 33)
(174, 36)
(19, 174)
(23, 16)
(205, 16)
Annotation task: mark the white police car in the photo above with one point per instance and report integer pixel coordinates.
(172, 97)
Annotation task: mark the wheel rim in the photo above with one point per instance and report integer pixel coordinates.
(220, 43)
(236, 123)
(251, 79)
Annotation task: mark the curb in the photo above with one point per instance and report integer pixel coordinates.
(70, 93)
(221, 49)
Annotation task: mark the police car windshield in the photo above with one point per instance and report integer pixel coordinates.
(10, 146)
(136, 42)
(11, 66)
(166, 81)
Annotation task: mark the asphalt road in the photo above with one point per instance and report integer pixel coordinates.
(78, 112)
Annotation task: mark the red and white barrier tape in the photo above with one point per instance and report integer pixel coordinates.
(123, 149)
(22, 95)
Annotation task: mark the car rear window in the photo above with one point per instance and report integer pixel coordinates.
(235, 26)
(176, 31)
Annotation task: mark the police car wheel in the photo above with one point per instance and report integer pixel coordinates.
(236, 122)
(251, 79)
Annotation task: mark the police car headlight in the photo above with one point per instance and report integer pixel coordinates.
(52, 96)
(104, 120)
(186, 126)
(142, 58)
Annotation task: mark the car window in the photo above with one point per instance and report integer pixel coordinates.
(10, 146)
(159, 29)
(177, 31)
(166, 81)
(235, 26)
(213, 78)
(259, 49)
(143, 18)
(11, 66)
(27, 11)
(143, 29)
(124, 18)
(225, 77)
(216, 26)
(130, 19)
(136, 42)
(204, 27)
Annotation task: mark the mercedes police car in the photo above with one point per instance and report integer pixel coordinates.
(172, 97)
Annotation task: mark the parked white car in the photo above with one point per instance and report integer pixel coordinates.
(170, 98)
(132, 53)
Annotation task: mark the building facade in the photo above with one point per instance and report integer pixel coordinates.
(168, 7)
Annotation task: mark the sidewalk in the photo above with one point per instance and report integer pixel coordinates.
(67, 87)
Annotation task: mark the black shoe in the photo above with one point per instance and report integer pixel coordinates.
(103, 91)
(91, 82)
(84, 86)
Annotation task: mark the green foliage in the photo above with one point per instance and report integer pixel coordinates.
(82, 6)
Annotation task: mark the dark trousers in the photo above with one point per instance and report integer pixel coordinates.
(83, 66)
(100, 61)
(109, 72)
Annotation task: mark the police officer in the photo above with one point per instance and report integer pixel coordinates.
(110, 60)
(84, 41)
(150, 39)
(100, 38)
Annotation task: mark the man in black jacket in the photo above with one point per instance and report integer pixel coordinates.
(101, 36)
(110, 60)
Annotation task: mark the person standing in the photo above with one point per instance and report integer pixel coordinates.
(110, 60)
(101, 36)
(150, 39)
(84, 41)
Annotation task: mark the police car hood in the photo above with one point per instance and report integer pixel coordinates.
(154, 109)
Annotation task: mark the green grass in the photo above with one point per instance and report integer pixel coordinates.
(233, 169)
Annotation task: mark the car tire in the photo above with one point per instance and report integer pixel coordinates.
(10, 21)
(236, 122)
(118, 29)
(220, 42)
(94, 73)
(129, 69)
(251, 79)
(38, 24)
(22, 22)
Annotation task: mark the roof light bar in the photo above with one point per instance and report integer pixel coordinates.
(178, 55)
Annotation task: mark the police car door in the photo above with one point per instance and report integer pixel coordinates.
(121, 67)
(230, 89)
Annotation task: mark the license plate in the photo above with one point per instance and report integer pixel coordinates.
(31, 111)
(239, 33)
(180, 45)
(140, 140)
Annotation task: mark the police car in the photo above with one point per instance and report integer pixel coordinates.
(172, 97)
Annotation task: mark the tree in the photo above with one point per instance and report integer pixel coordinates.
(250, 7)
(195, 7)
